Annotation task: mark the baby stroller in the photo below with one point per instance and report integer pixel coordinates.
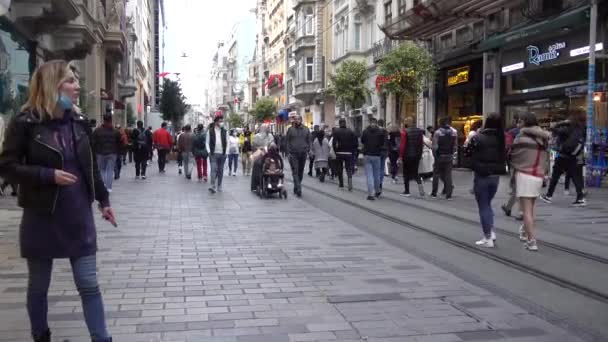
(272, 178)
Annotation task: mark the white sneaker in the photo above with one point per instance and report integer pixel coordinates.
(487, 243)
(532, 246)
(566, 192)
(522, 233)
(493, 236)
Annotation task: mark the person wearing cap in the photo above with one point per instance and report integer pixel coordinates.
(217, 143)
(107, 143)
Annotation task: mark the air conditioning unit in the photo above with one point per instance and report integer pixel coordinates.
(371, 110)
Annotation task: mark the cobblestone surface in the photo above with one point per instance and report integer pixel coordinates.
(184, 265)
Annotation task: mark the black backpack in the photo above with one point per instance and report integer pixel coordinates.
(142, 139)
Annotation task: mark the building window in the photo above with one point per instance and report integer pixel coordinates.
(300, 72)
(15, 76)
(309, 69)
(445, 41)
(308, 15)
(402, 7)
(357, 36)
(388, 12)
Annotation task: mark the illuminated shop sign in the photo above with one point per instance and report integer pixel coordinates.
(585, 50)
(458, 76)
(537, 58)
(512, 67)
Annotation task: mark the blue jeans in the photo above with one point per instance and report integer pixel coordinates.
(217, 162)
(233, 162)
(85, 276)
(485, 188)
(373, 168)
(106, 164)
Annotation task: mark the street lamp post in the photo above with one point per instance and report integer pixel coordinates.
(590, 90)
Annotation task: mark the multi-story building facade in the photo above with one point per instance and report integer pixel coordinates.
(140, 14)
(506, 57)
(354, 33)
(241, 46)
(219, 82)
(309, 59)
(91, 33)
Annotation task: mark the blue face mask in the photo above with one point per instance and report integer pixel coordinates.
(64, 102)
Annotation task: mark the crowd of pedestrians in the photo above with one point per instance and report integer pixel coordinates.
(58, 163)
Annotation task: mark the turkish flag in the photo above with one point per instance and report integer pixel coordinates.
(163, 74)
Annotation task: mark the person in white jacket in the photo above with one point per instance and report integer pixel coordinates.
(233, 153)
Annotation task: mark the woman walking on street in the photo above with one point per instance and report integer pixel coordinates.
(320, 150)
(488, 161)
(48, 152)
(528, 154)
(233, 153)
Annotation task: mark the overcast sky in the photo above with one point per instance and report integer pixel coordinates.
(194, 27)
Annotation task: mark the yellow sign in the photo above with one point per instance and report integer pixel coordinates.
(458, 76)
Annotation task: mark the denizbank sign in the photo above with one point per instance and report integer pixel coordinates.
(537, 57)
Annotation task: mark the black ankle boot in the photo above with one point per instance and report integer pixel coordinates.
(45, 337)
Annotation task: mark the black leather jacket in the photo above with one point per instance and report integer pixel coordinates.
(29, 151)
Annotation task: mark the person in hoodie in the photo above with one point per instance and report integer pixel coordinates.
(528, 153)
(488, 161)
(107, 144)
(345, 144)
(373, 139)
(410, 153)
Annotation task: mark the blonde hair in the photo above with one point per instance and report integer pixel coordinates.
(43, 91)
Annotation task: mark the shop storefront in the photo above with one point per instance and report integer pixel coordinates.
(548, 78)
(459, 95)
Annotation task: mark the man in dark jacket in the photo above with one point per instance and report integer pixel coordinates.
(345, 144)
(298, 145)
(445, 143)
(142, 145)
(570, 142)
(217, 142)
(410, 153)
(311, 157)
(374, 142)
(107, 144)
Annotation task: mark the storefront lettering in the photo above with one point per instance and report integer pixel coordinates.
(458, 76)
(536, 57)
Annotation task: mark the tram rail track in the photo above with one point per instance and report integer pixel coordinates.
(510, 262)
(554, 246)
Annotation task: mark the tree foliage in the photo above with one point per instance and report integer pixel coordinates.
(264, 109)
(173, 104)
(235, 120)
(348, 84)
(405, 70)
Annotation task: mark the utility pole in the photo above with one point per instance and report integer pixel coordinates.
(590, 90)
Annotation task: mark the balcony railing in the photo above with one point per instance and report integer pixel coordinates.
(382, 48)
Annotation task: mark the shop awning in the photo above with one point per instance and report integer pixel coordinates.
(433, 17)
(569, 20)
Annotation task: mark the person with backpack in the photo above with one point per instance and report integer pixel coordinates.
(163, 142)
(570, 142)
(141, 149)
(445, 144)
(199, 150)
(410, 153)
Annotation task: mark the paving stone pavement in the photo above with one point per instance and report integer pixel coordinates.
(185, 265)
